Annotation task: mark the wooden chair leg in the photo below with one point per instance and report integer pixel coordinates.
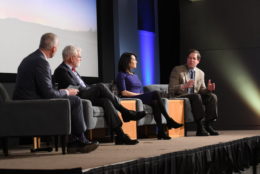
(5, 146)
(111, 134)
(63, 143)
(90, 135)
(56, 142)
(146, 131)
(36, 142)
(37, 145)
(185, 129)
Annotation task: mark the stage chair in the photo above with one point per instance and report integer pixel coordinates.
(182, 106)
(148, 119)
(94, 115)
(35, 118)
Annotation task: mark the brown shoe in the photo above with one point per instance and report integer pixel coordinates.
(79, 147)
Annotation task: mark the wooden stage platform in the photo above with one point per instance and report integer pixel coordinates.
(109, 154)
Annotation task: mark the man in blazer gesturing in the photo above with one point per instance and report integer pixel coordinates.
(188, 81)
(66, 75)
(34, 81)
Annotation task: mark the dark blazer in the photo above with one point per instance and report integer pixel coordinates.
(64, 76)
(34, 79)
(98, 94)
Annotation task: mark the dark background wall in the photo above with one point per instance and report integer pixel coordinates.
(228, 35)
(106, 40)
(169, 37)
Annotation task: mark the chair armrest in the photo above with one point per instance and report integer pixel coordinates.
(35, 117)
(88, 113)
(139, 103)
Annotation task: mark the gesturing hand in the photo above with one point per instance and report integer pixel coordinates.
(211, 86)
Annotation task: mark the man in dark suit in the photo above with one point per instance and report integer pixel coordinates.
(34, 81)
(188, 81)
(65, 75)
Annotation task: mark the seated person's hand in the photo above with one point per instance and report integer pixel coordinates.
(189, 84)
(72, 91)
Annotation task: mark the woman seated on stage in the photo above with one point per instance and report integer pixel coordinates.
(130, 86)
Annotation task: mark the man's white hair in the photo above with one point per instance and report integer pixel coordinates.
(70, 51)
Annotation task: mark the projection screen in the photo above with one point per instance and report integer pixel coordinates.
(22, 23)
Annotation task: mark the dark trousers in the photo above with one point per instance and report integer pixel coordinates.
(203, 106)
(78, 125)
(100, 95)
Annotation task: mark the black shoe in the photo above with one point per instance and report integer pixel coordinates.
(173, 124)
(78, 146)
(162, 136)
(210, 129)
(202, 133)
(125, 140)
(132, 115)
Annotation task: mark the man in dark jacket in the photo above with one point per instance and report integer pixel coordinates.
(34, 81)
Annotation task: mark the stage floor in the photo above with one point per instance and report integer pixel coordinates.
(108, 153)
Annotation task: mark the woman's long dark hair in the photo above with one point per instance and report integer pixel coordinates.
(124, 61)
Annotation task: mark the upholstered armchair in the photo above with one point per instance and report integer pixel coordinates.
(46, 117)
(94, 115)
(180, 108)
(163, 89)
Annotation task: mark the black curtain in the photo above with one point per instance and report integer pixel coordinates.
(169, 37)
(223, 158)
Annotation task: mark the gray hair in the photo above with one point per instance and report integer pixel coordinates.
(69, 51)
(48, 41)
